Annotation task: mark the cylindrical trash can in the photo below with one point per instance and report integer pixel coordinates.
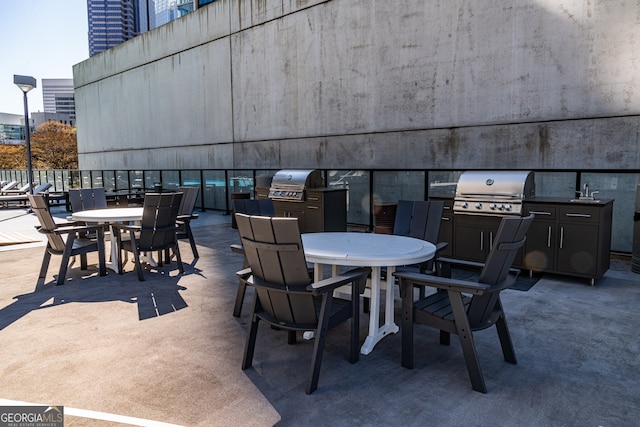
(635, 256)
(235, 196)
(384, 217)
(157, 187)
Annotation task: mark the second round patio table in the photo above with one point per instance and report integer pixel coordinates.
(368, 250)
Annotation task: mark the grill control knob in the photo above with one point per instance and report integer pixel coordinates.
(493, 206)
(464, 205)
(508, 207)
(478, 205)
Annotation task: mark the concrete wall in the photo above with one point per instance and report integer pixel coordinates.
(344, 84)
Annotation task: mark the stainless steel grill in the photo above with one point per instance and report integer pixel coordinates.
(493, 192)
(291, 184)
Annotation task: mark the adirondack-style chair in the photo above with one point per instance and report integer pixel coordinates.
(84, 199)
(186, 215)
(156, 232)
(462, 307)
(73, 245)
(260, 207)
(286, 297)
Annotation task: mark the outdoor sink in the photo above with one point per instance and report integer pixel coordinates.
(585, 200)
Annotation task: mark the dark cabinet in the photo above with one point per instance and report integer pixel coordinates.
(570, 238)
(446, 229)
(324, 209)
(473, 236)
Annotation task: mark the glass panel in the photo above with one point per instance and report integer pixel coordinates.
(214, 190)
(151, 178)
(170, 180)
(191, 178)
(240, 181)
(623, 188)
(58, 179)
(555, 184)
(391, 186)
(443, 183)
(85, 176)
(135, 180)
(358, 194)
(96, 179)
(109, 180)
(264, 176)
(122, 180)
(51, 179)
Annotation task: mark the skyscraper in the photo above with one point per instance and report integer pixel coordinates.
(58, 96)
(112, 22)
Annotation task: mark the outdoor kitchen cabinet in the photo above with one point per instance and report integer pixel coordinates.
(473, 236)
(570, 238)
(324, 209)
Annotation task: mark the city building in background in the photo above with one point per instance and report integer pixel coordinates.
(11, 128)
(112, 22)
(39, 118)
(58, 97)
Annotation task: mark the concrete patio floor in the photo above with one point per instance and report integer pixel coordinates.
(115, 351)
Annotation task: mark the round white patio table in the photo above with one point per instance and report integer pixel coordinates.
(109, 216)
(367, 250)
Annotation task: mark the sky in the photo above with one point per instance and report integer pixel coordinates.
(41, 39)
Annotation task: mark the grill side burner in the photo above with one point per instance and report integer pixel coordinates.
(494, 193)
(291, 184)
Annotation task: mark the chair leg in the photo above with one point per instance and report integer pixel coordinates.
(466, 341)
(101, 255)
(83, 262)
(407, 324)
(237, 309)
(65, 258)
(354, 355)
(508, 351)
(250, 345)
(136, 256)
(45, 263)
(192, 241)
(176, 251)
(318, 345)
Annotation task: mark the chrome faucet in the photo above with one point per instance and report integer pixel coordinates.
(585, 194)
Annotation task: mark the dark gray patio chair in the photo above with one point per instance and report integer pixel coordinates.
(462, 307)
(259, 207)
(84, 199)
(285, 297)
(156, 232)
(186, 215)
(73, 245)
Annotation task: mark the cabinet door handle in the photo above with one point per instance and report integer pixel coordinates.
(579, 215)
(549, 238)
(444, 218)
(490, 240)
(561, 236)
(482, 240)
(313, 198)
(540, 213)
(313, 207)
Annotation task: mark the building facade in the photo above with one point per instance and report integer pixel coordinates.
(58, 97)
(12, 130)
(430, 87)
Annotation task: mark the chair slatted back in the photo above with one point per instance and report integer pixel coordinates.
(273, 248)
(9, 186)
(189, 197)
(419, 219)
(510, 237)
(41, 188)
(262, 207)
(47, 224)
(84, 199)
(158, 224)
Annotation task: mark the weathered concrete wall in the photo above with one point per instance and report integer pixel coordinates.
(343, 84)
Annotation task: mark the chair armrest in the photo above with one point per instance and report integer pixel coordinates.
(75, 228)
(328, 285)
(472, 264)
(236, 248)
(445, 283)
(244, 273)
(126, 226)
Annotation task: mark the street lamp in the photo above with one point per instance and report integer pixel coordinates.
(26, 83)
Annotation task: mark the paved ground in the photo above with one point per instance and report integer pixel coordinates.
(116, 351)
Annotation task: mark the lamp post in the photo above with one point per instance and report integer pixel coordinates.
(26, 83)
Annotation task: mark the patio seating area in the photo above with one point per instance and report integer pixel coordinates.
(114, 350)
